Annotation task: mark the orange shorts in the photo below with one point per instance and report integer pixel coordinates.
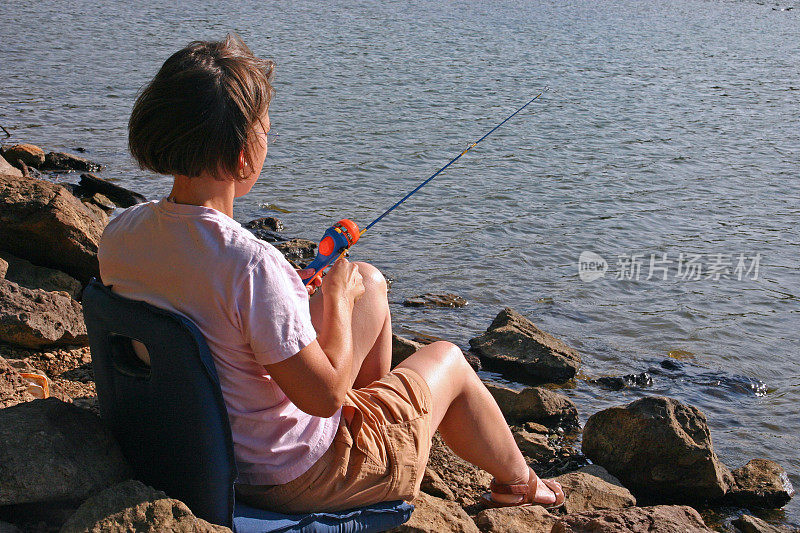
(379, 452)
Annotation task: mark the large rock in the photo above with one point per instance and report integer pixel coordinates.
(657, 519)
(37, 318)
(54, 451)
(528, 519)
(30, 154)
(13, 387)
(465, 481)
(64, 161)
(45, 224)
(266, 223)
(133, 506)
(121, 196)
(534, 404)
(30, 276)
(7, 170)
(513, 344)
(586, 492)
(434, 515)
(659, 448)
(297, 250)
(761, 484)
(402, 348)
(534, 445)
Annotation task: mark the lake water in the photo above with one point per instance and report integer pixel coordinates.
(671, 132)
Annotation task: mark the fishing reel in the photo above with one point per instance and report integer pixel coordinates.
(335, 242)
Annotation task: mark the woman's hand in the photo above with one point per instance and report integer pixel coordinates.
(344, 281)
(312, 287)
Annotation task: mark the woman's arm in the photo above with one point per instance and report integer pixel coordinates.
(317, 378)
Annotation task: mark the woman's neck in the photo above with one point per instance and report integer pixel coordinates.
(205, 191)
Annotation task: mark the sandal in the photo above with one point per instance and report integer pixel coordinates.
(527, 491)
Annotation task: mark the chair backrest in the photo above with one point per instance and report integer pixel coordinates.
(169, 418)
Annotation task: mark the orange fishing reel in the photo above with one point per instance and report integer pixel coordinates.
(335, 242)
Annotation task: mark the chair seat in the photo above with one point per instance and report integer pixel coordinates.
(373, 518)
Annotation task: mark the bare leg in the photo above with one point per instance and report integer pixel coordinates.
(469, 419)
(372, 327)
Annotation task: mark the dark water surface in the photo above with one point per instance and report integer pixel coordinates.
(671, 128)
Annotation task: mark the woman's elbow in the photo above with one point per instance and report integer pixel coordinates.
(323, 405)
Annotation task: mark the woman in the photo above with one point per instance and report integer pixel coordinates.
(318, 420)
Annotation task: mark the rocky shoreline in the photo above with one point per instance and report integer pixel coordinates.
(646, 466)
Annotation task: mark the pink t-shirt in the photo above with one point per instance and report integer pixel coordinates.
(252, 308)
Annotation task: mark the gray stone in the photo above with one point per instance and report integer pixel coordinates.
(54, 451)
(534, 404)
(659, 449)
(30, 276)
(37, 318)
(133, 506)
(751, 524)
(513, 344)
(45, 224)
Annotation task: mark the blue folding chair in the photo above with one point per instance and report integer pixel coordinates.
(171, 423)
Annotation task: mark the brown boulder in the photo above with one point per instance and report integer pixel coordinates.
(586, 492)
(91, 184)
(434, 515)
(37, 318)
(466, 481)
(657, 519)
(133, 506)
(30, 276)
(54, 451)
(528, 519)
(535, 446)
(659, 448)
(297, 250)
(45, 224)
(3, 268)
(265, 223)
(513, 344)
(402, 348)
(534, 404)
(433, 484)
(7, 170)
(761, 484)
(30, 154)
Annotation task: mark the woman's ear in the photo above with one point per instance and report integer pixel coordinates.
(242, 164)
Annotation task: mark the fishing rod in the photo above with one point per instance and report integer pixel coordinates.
(338, 239)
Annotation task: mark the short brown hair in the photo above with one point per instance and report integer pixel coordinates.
(198, 113)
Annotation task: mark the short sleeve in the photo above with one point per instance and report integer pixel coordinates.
(272, 305)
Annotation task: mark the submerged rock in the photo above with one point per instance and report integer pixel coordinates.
(266, 223)
(761, 484)
(588, 492)
(133, 506)
(657, 519)
(37, 318)
(6, 169)
(54, 451)
(659, 448)
(627, 381)
(535, 404)
(297, 250)
(121, 196)
(434, 515)
(431, 299)
(64, 161)
(28, 275)
(45, 224)
(750, 524)
(513, 344)
(528, 519)
(30, 154)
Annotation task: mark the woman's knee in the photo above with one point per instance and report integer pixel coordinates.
(373, 279)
